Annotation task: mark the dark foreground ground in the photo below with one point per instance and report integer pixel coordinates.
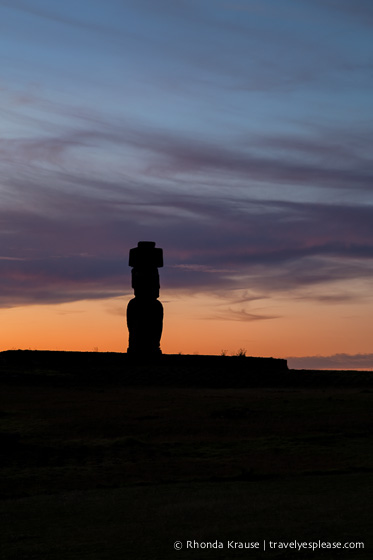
(106, 460)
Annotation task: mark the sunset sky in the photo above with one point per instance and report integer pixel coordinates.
(236, 134)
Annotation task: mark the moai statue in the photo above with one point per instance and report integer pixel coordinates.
(145, 311)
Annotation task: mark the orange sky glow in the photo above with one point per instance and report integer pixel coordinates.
(194, 325)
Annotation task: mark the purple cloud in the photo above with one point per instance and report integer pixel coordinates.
(212, 248)
(336, 361)
(68, 221)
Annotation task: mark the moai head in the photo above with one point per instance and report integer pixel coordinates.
(146, 255)
(145, 260)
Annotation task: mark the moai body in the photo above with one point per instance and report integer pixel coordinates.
(145, 311)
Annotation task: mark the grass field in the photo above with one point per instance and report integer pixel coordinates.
(95, 467)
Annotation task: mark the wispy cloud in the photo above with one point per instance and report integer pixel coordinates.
(361, 10)
(240, 315)
(68, 219)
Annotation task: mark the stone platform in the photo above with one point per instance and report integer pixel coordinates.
(36, 367)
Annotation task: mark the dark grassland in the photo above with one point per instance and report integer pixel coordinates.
(104, 459)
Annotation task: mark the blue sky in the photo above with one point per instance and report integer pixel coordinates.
(236, 134)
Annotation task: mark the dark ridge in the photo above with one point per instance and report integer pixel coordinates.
(85, 368)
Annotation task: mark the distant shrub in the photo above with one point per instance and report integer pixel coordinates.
(241, 353)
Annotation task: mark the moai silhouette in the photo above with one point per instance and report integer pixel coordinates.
(145, 311)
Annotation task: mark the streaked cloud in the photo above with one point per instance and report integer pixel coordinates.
(68, 221)
(240, 315)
